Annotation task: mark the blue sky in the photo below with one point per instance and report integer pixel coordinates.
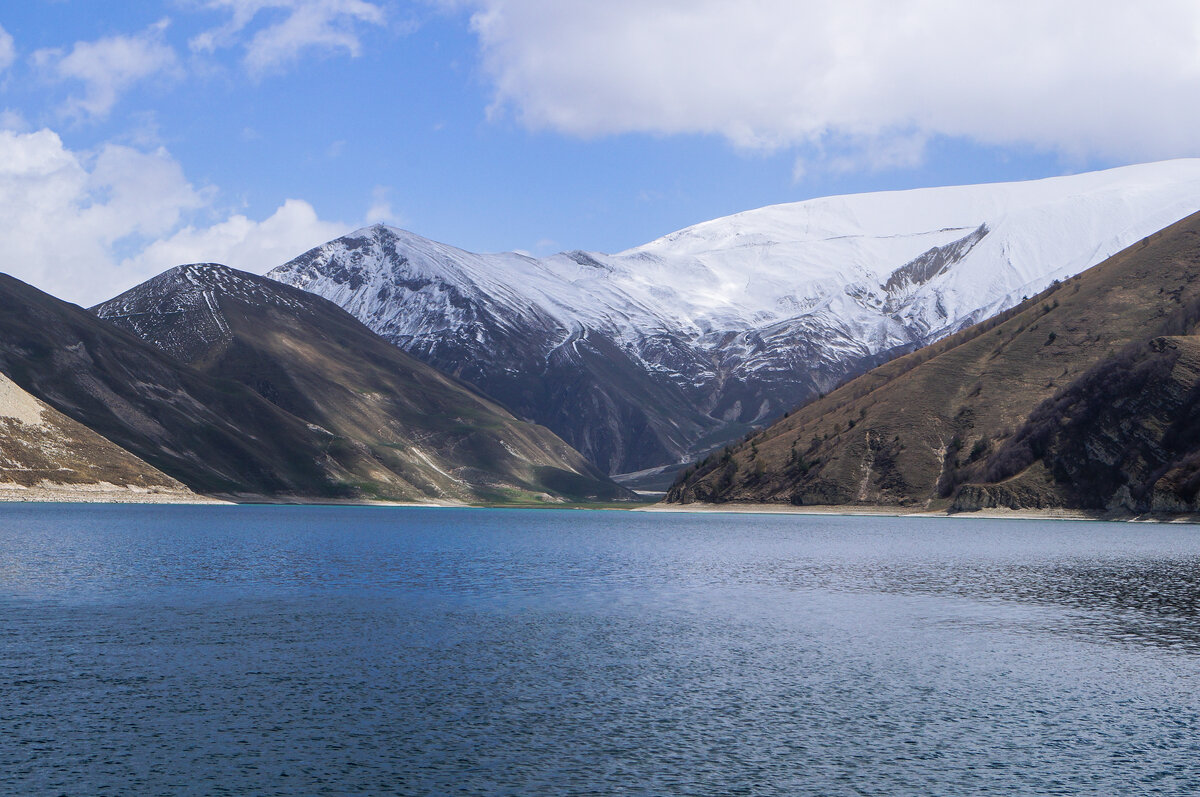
(141, 134)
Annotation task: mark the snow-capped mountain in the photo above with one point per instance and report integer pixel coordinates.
(651, 355)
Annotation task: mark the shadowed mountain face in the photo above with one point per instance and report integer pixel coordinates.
(1125, 436)
(43, 449)
(395, 427)
(1081, 397)
(215, 436)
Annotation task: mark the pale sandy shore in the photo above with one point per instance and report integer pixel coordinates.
(111, 494)
(275, 500)
(100, 494)
(893, 511)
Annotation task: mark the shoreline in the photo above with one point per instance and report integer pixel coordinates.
(867, 511)
(892, 511)
(115, 495)
(91, 494)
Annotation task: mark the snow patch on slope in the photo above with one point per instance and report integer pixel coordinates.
(765, 266)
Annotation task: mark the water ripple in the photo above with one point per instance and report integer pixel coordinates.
(201, 650)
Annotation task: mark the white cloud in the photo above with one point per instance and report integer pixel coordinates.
(865, 153)
(240, 242)
(1082, 77)
(295, 27)
(8, 50)
(62, 215)
(85, 227)
(381, 208)
(108, 67)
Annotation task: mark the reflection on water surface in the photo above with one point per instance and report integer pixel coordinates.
(301, 650)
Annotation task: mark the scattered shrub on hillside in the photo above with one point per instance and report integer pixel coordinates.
(727, 476)
(884, 455)
(980, 450)
(1183, 321)
(797, 465)
(950, 465)
(1058, 429)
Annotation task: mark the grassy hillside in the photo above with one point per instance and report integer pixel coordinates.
(1123, 437)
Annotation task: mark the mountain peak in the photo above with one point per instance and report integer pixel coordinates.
(394, 427)
(184, 287)
(730, 322)
(201, 273)
(195, 291)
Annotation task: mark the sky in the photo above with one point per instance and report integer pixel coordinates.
(142, 134)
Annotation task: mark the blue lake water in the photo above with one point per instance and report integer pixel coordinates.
(313, 650)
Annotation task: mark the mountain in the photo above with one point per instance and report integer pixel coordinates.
(46, 455)
(394, 426)
(648, 357)
(1124, 437)
(1082, 396)
(215, 436)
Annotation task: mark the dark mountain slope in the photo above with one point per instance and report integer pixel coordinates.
(215, 436)
(1123, 437)
(911, 431)
(43, 454)
(404, 430)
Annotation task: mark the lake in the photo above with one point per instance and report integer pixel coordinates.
(372, 650)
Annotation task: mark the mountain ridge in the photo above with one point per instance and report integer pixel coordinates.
(398, 429)
(657, 353)
(148, 403)
(1053, 403)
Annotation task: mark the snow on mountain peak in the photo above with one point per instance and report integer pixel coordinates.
(796, 295)
(194, 290)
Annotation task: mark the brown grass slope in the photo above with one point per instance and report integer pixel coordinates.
(911, 431)
(400, 429)
(1124, 438)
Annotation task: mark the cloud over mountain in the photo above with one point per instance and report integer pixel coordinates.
(80, 224)
(1083, 78)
